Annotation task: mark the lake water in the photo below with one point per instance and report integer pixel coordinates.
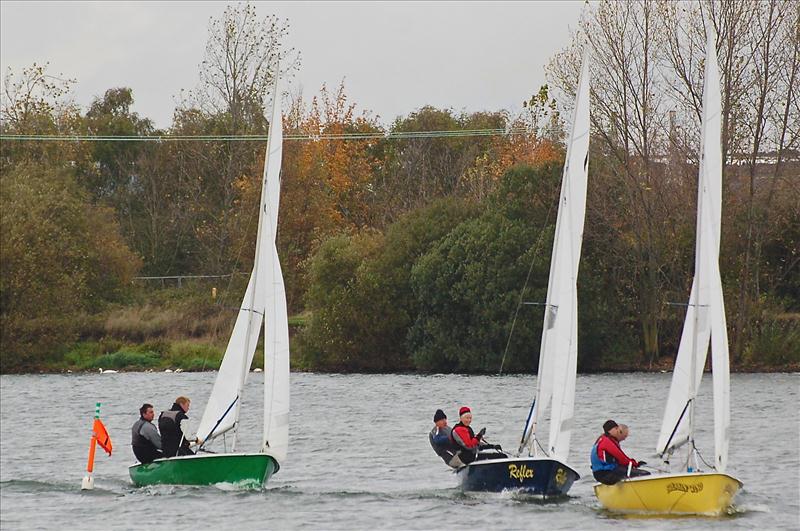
(359, 455)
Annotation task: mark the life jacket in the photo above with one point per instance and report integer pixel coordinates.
(467, 455)
(170, 432)
(137, 439)
(607, 462)
(457, 440)
(447, 450)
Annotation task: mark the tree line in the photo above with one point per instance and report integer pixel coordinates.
(411, 253)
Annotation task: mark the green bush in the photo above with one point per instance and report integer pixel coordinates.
(360, 295)
(777, 343)
(191, 356)
(62, 257)
(123, 359)
(469, 284)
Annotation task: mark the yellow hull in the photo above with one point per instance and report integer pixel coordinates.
(707, 493)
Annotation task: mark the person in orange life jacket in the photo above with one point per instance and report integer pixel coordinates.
(439, 438)
(609, 462)
(173, 439)
(463, 437)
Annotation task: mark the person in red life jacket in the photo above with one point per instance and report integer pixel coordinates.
(466, 440)
(609, 462)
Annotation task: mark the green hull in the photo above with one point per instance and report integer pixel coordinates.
(245, 469)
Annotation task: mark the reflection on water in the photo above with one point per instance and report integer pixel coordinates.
(359, 455)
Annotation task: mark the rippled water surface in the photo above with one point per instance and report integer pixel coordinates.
(359, 455)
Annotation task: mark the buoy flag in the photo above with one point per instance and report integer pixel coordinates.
(101, 434)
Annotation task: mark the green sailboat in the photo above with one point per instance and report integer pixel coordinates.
(264, 303)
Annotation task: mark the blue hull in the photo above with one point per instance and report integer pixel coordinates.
(544, 477)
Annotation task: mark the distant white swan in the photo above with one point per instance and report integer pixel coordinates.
(257, 369)
(107, 371)
(167, 370)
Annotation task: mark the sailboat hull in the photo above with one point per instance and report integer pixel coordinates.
(705, 493)
(545, 477)
(241, 469)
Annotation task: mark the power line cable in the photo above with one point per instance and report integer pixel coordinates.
(396, 135)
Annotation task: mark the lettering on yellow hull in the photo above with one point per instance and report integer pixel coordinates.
(684, 487)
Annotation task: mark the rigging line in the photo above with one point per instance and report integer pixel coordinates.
(701, 456)
(208, 437)
(540, 446)
(525, 286)
(253, 138)
(675, 429)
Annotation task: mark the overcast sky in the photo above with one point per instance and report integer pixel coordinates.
(393, 56)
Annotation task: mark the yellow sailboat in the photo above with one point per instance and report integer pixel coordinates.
(692, 490)
(707, 493)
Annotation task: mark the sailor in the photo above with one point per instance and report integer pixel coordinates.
(145, 440)
(464, 438)
(609, 462)
(440, 440)
(173, 440)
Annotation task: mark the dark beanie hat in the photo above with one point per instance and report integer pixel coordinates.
(609, 425)
(439, 415)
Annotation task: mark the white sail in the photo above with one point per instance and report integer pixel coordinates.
(705, 316)
(276, 334)
(224, 404)
(558, 357)
(222, 410)
(712, 166)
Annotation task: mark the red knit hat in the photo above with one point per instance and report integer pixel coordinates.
(464, 409)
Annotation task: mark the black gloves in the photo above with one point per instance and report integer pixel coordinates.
(642, 463)
(480, 433)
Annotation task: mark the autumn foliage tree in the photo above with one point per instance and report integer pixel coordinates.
(326, 183)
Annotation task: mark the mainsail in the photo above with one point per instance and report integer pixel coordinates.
(705, 315)
(558, 357)
(223, 407)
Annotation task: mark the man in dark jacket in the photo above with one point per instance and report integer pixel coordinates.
(439, 438)
(145, 440)
(173, 440)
